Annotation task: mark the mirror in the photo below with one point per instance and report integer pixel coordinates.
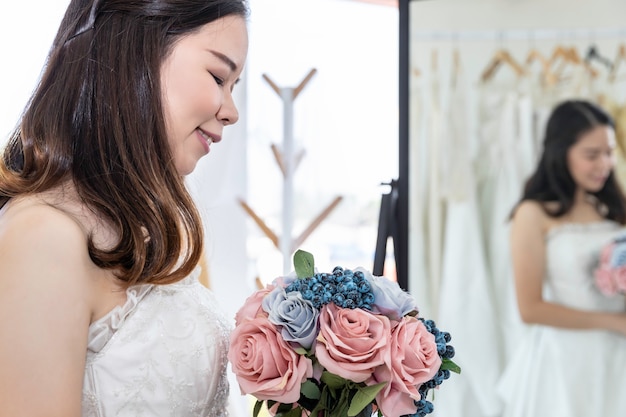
(478, 80)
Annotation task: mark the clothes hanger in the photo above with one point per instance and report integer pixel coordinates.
(577, 60)
(562, 56)
(621, 56)
(534, 55)
(502, 57)
(559, 54)
(594, 55)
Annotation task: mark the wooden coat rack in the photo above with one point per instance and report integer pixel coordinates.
(288, 161)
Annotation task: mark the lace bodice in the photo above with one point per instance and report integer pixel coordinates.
(566, 372)
(573, 253)
(163, 353)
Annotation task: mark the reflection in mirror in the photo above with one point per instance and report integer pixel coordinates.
(480, 81)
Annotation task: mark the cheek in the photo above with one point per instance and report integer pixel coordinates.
(579, 167)
(197, 104)
(190, 98)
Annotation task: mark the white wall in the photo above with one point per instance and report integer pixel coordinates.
(520, 14)
(27, 29)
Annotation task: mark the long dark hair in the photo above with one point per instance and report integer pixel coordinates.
(552, 181)
(96, 118)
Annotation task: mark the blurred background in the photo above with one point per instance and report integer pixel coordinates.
(344, 127)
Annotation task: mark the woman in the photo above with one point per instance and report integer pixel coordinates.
(572, 360)
(98, 234)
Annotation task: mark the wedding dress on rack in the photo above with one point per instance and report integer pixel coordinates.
(466, 301)
(419, 278)
(507, 157)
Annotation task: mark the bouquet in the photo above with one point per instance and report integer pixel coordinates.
(610, 276)
(344, 343)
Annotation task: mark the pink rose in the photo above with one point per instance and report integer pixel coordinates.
(265, 365)
(252, 307)
(604, 281)
(352, 342)
(413, 361)
(605, 254)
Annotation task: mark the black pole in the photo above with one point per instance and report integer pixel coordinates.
(402, 251)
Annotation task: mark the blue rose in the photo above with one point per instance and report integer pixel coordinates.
(297, 317)
(389, 299)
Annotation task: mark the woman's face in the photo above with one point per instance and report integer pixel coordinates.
(590, 159)
(197, 81)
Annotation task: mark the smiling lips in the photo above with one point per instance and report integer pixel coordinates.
(207, 139)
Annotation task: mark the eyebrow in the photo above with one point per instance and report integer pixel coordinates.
(231, 64)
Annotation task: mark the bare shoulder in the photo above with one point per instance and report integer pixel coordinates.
(31, 224)
(530, 214)
(44, 246)
(46, 305)
(43, 257)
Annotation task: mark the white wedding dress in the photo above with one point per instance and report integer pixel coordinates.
(163, 353)
(570, 373)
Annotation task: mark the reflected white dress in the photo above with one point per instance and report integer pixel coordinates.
(466, 294)
(163, 353)
(570, 373)
(507, 146)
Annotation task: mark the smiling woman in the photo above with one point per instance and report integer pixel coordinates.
(570, 208)
(198, 82)
(99, 236)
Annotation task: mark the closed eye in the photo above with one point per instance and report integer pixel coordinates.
(217, 79)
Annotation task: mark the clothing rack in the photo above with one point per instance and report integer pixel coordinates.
(518, 35)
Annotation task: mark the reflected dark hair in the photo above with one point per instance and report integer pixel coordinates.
(96, 119)
(552, 182)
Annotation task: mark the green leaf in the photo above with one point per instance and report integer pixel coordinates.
(333, 381)
(300, 350)
(257, 408)
(323, 404)
(324, 400)
(341, 407)
(304, 264)
(450, 366)
(310, 390)
(294, 412)
(363, 397)
(284, 408)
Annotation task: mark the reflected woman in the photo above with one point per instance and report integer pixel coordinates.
(572, 360)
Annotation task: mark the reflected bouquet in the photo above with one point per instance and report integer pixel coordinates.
(610, 276)
(344, 343)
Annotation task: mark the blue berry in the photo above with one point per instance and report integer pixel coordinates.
(449, 354)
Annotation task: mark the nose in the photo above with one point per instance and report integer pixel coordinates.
(228, 113)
